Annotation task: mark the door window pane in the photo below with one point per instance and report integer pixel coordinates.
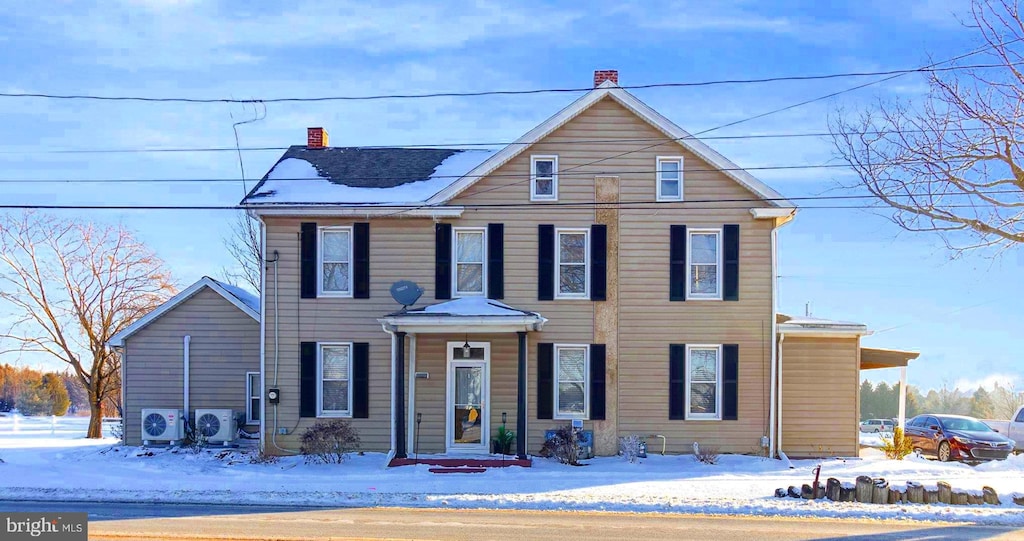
(468, 414)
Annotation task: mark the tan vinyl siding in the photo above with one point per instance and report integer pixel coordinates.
(819, 396)
(648, 321)
(225, 344)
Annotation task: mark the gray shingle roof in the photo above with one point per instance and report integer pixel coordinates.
(366, 167)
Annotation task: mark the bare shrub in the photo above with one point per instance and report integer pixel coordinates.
(329, 442)
(898, 446)
(564, 445)
(705, 455)
(631, 447)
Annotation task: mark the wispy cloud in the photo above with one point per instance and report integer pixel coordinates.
(736, 16)
(184, 34)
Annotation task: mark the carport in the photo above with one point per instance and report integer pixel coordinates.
(875, 358)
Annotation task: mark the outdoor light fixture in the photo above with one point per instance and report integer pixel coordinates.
(466, 349)
(504, 416)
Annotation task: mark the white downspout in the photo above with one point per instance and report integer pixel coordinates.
(778, 440)
(185, 377)
(263, 337)
(411, 407)
(775, 345)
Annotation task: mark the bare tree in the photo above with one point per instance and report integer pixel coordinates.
(244, 247)
(73, 285)
(952, 164)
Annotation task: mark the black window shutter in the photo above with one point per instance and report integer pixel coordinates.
(598, 262)
(677, 381)
(307, 379)
(545, 262)
(545, 380)
(361, 380)
(677, 263)
(443, 261)
(730, 381)
(495, 261)
(731, 262)
(597, 382)
(307, 258)
(361, 253)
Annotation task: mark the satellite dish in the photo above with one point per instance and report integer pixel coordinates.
(406, 293)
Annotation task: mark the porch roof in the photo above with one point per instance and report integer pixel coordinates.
(467, 314)
(871, 358)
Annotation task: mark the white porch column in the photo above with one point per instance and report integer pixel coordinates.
(903, 398)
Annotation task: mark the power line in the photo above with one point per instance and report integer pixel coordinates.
(456, 146)
(631, 205)
(565, 173)
(782, 109)
(145, 99)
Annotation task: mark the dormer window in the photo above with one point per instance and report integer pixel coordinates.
(543, 178)
(670, 178)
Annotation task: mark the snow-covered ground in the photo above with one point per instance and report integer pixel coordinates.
(62, 465)
(874, 439)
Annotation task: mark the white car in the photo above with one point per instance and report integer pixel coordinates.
(1013, 429)
(877, 425)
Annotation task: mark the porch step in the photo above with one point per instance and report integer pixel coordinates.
(457, 470)
(462, 462)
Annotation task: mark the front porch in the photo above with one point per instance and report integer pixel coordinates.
(460, 378)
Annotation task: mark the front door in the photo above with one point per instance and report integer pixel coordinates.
(467, 414)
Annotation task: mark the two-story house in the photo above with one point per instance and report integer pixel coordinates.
(606, 267)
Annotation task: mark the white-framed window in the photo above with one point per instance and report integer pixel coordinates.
(335, 265)
(704, 382)
(333, 378)
(572, 366)
(704, 269)
(253, 397)
(544, 178)
(572, 263)
(469, 254)
(670, 178)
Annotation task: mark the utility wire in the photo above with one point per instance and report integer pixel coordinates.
(660, 205)
(456, 146)
(779, 110)
(411, 179)
(898, 72)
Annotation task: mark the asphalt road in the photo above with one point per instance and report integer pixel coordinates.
(135, 521)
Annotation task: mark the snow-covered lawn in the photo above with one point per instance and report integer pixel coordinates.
(63, 466)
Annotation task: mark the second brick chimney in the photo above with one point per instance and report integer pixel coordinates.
(316, 138)
(601, 76)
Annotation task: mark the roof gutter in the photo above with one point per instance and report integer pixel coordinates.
(391, 211)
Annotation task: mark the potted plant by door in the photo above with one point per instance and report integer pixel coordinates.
(501, 444)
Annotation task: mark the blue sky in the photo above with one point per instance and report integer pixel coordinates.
(849, 264)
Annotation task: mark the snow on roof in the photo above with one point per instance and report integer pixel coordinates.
(249, 299)
(470, 306)
(362, 176)
(806, 321)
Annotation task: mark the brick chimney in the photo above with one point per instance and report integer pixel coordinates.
(316, 138)
(601, 76)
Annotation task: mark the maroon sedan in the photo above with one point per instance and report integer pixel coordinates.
(955, 437)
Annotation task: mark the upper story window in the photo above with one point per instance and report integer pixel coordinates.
(572, 263)
(335, 265)
(543, 178)
(333, 374)
(469, 247)
(571, 370)
(705, 264)
(703, 384)
(670, 178)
